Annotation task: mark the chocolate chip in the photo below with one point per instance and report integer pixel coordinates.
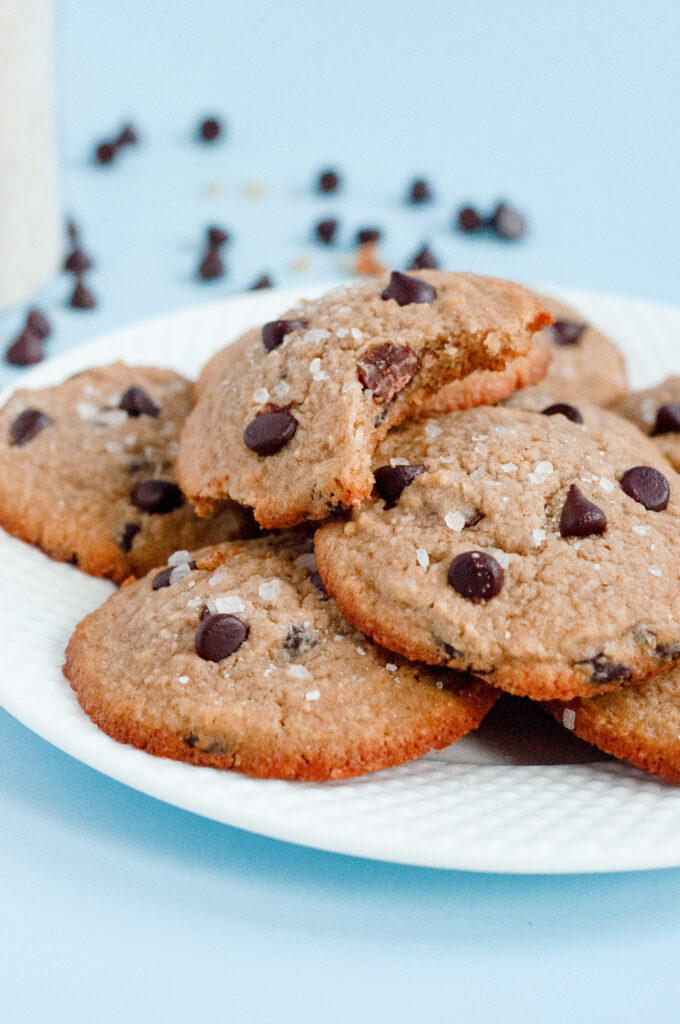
(220, 636)
(38, 324)
(365, 235)
(27, 424)
(72, 231)
(507, 223)
(25, 350)
(449, 650)
(128, 136)
(667, 419)
(136, 402)
(566, 332)
(262, 282)
(605, 671)
(580, 517)
(405, 289)
(668, 652)
(190, 741)
(386, 369)
(211, 266)
(424, 260)
(564, 409)
(270, 432)
(77, 262)
(164, 577)
(105, 152)
(217, 236)
(210, 129)
(419, 192)
(316, 581)
(647, 486)
(156, 496)
(275, 331)
(297, 640)
(130, 531)
(329, 181)
(469, 220)
(82, 297)
(390, 481)
(476, 576)
(325, 230)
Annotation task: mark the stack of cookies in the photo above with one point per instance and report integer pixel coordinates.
(338, 549)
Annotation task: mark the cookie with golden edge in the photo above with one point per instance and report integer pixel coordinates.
(236, 658)
(537, 552)
(288, 418)
(87, 472)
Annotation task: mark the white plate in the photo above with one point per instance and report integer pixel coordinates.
(485, 804)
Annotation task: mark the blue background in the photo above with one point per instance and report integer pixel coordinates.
(116, 907)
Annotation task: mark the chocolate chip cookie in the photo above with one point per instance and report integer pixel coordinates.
(287, 419)
(247, 664)
(656, 411)
(538, 552)
(87, 472)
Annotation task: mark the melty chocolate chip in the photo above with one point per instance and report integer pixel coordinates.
(405, 289)
(275, 331)
(424, 260)
(647, 486)
(580, 517)
(566, 332)
(390, 481)
(667, 419)
(156, 496)
(220, 636)
(136, 402)
(564, 409)
(386, 369)
(27, 424)
(130, 531)
(476, 576)
(268, 433)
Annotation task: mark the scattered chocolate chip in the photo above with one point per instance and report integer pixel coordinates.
(390, 481)
(220, 636)
(211, 266)
(419, 192)
(270, 432)
(275, 331)
(473, 518)
(130, 531)
(476, 576)
(405, 289)
(668, 652)
(72, 231)
(566, 332)
(325, 230)
(580, 517)
(27, 424)
(667, 419)
(424, 260)
(164, 577)
(386, 369)
(38, 324)
(647, 486)
(136, 402)
(77, 262)
(217, 236)
(365, 235)
(128, 136)
(605, 671)
(469, 220)
(262, 282)
(329, 181)
(298, 639)
(82, 297)
(507, 223)
(210, 129)
(105, 152)
(316, 581)
(156, 496)
(564, 409)
(25, 350)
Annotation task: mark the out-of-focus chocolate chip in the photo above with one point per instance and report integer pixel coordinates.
(38, 324)
(419, 192)
(565, 332)
(130, 531)
(77, 262)
(425, 259)
(128, 136)
(210, 129)
(211, 266)
(564, 409)
(667, 419)
(25, 350)
(405, 289)
(137, 402)
(262, 282)
(217, 236)
(27, 424)
(328, 182)
(105, 152)
(508, 223)
(325, 230)
(156, 496)
(469, 220)
(82, 297)
(365, 235)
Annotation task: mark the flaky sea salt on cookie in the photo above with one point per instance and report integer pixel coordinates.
(288, 418)
(235, 657)
(87, 472)
(538, 552)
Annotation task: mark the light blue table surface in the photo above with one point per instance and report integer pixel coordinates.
(116, 907)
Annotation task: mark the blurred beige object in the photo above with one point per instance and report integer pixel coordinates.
(30, 221)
